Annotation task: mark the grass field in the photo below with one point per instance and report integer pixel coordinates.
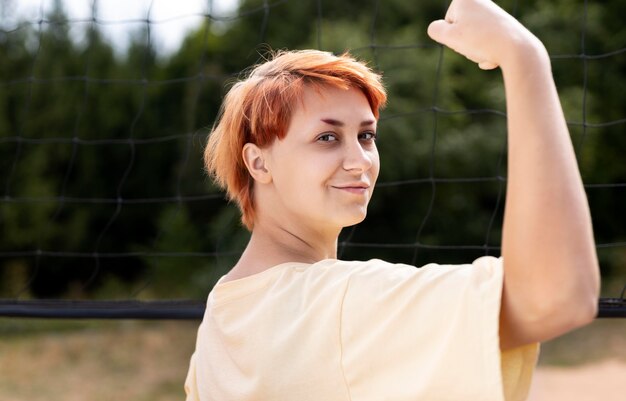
(96, 361)
(56, 360)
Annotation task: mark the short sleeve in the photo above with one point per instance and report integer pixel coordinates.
(427, 333)
(191, 385)
(518, 366)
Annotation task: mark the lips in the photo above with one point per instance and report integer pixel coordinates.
(354, 188)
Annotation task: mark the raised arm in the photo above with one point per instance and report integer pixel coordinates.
(551, 275)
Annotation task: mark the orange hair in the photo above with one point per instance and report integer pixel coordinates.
(258, 109)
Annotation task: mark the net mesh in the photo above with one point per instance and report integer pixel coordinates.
(105, 209)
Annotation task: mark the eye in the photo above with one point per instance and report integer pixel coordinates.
(369, 136)
(327, 137)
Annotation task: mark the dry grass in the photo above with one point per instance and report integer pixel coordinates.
(598, 381)
(99, 361)
(588, 364)
(136, 361)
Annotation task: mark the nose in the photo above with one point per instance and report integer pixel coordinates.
(357, 158)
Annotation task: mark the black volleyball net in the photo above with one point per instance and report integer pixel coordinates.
(105, 211)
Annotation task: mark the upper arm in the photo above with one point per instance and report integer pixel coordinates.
(522, 322)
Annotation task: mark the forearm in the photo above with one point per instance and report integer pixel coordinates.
(551, 276)
(548, 248)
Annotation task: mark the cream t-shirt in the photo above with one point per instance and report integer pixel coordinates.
(337, 330)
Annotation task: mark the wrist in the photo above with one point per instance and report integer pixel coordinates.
(526, 53)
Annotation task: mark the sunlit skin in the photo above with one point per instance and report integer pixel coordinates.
(319, 179)
(324, 170)
(312, 183)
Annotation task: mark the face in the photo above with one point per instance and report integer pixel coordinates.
(324, 170)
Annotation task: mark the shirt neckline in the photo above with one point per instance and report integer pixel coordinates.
(224, 291)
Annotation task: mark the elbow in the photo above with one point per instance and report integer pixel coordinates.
(564, 317)
(554, 305)
(561, 315)
(580, 302)
(585, 313)
(588, 296)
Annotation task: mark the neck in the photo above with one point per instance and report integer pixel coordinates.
(272, 244)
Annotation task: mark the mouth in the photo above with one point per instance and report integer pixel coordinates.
(356, 188)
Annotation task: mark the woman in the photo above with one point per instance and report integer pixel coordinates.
(295, 148)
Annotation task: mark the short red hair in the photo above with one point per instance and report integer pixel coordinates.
(258, 109)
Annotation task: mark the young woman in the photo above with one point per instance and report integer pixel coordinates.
(295, 149)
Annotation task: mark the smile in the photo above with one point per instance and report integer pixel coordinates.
(354, 189)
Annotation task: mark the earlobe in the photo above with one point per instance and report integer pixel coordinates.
(255, 163)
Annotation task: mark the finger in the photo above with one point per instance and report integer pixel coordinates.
(487, 65)
(451, 13)
(440, 31)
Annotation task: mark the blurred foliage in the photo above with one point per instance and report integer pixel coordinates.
(133, 127)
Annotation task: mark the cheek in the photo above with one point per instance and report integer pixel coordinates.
(298, 175)
(375, 165)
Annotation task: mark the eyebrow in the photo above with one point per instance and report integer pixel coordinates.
(337, 123)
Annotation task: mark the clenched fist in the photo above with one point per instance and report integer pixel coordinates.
(482, 32)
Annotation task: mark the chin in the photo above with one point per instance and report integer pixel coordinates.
(354, 219)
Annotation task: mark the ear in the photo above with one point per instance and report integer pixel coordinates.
(255, 163)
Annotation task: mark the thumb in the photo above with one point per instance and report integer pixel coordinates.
(440, 31)
(487, 65)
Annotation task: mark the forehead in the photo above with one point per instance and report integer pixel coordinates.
(347, 103)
